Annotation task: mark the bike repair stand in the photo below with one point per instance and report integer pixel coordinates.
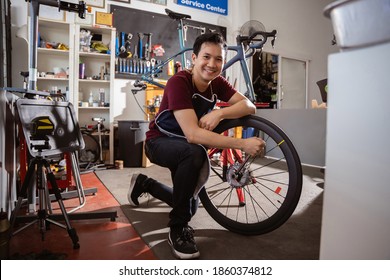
(39, 165)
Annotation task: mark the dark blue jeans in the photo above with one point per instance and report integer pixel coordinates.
(184, 160)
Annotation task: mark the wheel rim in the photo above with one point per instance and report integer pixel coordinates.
(267, 190)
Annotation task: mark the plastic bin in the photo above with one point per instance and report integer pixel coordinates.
(131, 136)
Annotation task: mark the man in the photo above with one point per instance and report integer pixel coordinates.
(185, 156)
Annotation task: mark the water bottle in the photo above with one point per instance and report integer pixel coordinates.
(90, 100)
(102, 97)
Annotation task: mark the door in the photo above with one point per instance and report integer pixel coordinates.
(292, 84)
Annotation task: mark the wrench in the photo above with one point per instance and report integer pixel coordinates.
(141, 37)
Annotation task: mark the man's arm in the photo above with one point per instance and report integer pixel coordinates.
(239, 106)
(195, 134)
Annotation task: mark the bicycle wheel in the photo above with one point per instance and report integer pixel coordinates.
(91, 151)
(254, 195)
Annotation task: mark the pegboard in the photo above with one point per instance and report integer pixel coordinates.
(164, 30)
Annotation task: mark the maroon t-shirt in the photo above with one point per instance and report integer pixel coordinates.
(178, 95)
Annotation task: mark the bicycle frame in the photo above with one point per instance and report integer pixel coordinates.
(240, 56)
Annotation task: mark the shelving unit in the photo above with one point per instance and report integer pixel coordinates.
(99, 75)
(78, 90)
(265, 77)
(54, 32)
(50, 59)
(151, 93)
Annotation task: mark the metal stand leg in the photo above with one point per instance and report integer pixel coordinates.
(41, 165)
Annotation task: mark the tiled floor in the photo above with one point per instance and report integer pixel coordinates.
(100, 239)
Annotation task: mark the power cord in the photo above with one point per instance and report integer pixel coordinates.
(135, 91)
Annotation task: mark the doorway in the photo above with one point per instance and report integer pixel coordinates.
(280, 81)
(293, 84)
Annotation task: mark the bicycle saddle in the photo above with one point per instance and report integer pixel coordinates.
(24, 74)
(176, 16)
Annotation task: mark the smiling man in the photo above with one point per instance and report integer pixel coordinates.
(182, 127)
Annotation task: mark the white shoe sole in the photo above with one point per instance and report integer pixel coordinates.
(132, 184)
(180, 255)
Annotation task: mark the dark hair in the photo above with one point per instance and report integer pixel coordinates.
(213, 37)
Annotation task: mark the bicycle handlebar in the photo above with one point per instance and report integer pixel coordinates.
(250, 39)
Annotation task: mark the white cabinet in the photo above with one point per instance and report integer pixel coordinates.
(97, 80)
(356, 210)
(55, 53)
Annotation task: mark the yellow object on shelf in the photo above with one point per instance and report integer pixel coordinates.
(238, 132)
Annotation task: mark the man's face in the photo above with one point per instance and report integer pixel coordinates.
(209, 62)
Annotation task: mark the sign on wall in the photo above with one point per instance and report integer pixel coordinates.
(214, 6)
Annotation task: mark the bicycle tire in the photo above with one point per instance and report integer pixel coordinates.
(271, 184)
(91, 151)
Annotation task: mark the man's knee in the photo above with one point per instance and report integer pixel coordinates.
(197, 156)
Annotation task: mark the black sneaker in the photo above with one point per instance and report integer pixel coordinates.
(182, 242)
(136, 188)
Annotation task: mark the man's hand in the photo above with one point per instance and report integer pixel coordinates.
(210, 120)
(254, 146)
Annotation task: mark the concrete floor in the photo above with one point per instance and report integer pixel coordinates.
(297, 239)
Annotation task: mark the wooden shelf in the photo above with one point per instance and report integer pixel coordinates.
(52, 79)
(94, 81)
(53, 51)
(95, 54)
(94, 108)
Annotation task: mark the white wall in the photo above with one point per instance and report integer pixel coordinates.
(19, 46)
(303, 33)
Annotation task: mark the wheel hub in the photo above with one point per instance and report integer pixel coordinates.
(238, 179)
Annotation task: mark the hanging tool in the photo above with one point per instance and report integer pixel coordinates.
(122, 49)
(140, 38)
(125, 48)
(185, 29)
(148, 63)
(153, 62)
(128, 43)
(148, 46)
(135, 60)
(117, 46)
